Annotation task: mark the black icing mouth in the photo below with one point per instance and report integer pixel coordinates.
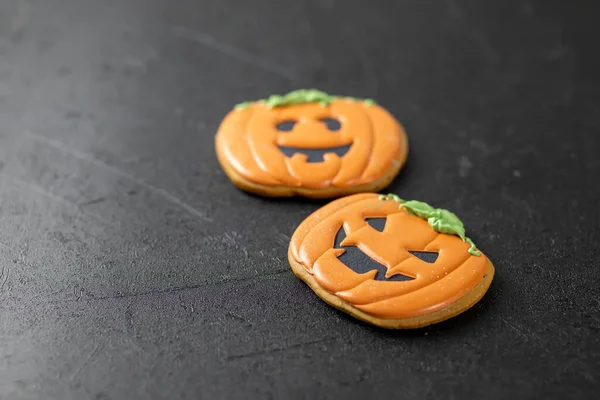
(315, 155)
(355, 259)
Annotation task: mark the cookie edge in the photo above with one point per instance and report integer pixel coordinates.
(323, 193)
(459, 306)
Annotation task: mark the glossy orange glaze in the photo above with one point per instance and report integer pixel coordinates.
(248, 141)
(435, 285)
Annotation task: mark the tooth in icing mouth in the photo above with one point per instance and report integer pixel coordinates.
(315, 155)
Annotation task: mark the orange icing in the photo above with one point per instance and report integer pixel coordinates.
(248, 141)
(435, 285)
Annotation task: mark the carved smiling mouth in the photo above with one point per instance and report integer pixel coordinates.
(315, 155)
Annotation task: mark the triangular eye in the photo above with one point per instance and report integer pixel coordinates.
(376, 223)
(339, 237)
(427, 256)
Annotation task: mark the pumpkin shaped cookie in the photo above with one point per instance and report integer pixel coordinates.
(393, 263)
(311, 144)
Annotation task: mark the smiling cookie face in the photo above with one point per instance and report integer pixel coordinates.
(376, 259)
(311, 155)
(312, 144)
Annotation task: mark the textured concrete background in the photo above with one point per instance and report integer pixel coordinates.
(131, 268)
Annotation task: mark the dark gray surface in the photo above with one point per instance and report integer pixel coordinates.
(131, 268)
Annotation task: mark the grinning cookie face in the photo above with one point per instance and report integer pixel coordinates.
(386, 264)
(308, 154)
(355, 258)
(337, 144)
(311, 153)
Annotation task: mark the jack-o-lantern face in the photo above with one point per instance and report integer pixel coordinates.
(383, 264)
(311, 144)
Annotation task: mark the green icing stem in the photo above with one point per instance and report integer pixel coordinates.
(440, 220)
(301, 96)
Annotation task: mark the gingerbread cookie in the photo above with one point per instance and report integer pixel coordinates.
(392, 263)
(311, 144)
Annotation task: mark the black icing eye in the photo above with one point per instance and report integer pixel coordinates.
(376, 223)
(427, 256)
(332, 124)
(286, 126)
(339, 238)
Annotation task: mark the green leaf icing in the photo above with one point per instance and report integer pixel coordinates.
(301, 96)
(418, 208)
(440, 220)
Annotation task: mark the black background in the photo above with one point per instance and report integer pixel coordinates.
(132, 268)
